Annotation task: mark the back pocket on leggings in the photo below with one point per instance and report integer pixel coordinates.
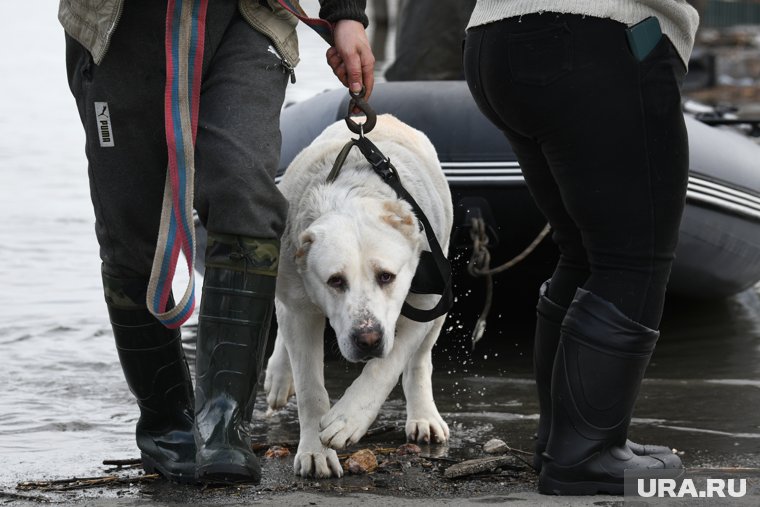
(540, 57)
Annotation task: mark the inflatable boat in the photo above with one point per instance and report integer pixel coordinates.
(719, 249)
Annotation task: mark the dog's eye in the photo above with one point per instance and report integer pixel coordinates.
(337, 282)
(384, 278)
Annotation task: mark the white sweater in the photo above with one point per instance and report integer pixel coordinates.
(678, 19)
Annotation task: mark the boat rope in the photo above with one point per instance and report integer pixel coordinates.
(480, 265)
(184, 43)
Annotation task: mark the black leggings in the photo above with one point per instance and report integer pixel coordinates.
(602, 144)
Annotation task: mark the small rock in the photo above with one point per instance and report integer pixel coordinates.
(407, 449)
(361, 462)
(276, 452)
(495, 446)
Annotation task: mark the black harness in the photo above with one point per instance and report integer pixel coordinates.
(433, 275)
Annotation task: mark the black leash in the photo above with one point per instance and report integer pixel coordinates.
(433, 275)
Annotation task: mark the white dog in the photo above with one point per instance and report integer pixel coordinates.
(349, 252)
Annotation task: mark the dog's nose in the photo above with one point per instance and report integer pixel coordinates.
(368, 339)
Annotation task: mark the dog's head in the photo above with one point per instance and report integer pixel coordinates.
(358, 267)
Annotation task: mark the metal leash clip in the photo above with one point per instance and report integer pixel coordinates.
(357, 101)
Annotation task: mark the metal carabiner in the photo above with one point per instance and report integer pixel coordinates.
(357, 101)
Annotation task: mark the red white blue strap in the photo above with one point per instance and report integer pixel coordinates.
(184, 42)
(185, 31)
(323, 27)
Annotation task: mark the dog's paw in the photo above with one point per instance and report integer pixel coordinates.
(340, 427)
(318, 462)
(279, 387)
(426, 430)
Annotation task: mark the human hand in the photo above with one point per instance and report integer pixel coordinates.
(351, 58)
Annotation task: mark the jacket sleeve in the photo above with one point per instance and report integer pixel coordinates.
(335, 10)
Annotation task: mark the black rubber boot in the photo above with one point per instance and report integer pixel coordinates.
(233, 327)
(549, 316)
(597, 373)
(157, 374)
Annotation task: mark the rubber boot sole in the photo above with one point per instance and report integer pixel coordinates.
(152, 466)
(226, 473)
(227, 466)
(551, 482)
(549, 486)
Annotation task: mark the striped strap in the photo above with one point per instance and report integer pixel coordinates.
(185, 30)
(323, 27)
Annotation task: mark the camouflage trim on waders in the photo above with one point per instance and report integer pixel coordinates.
(239, 253)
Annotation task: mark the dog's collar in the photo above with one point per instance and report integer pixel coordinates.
(433, 275)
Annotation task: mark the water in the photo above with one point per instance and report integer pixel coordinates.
(64, 406)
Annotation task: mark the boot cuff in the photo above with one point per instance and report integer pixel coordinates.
(240, 253)
(596, 322)
(124, 293)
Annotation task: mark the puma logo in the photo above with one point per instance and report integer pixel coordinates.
(103, 119)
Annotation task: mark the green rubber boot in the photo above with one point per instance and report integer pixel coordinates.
(157, 374)
(233, 327)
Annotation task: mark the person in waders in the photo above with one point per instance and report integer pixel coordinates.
(588, 95)
(119, 60)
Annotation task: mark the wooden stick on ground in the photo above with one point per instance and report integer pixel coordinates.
(476, 466)
(84, 482)
(122, 462)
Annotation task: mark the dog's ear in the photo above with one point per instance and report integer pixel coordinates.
(400, 217)
(305, 241)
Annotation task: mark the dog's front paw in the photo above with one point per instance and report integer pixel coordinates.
(342, 426)
(425, 430)
(279, 387)
(317, 461)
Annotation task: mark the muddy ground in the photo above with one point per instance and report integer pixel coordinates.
(409, 479)
(700, 396)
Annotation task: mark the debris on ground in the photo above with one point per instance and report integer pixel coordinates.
(388, 466)
(85, 482)
(476, 466)
(408, 449)
(277, 451)
(123, 463)
(496, 446)
(363, 461)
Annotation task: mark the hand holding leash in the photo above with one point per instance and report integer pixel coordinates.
(350, 56)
